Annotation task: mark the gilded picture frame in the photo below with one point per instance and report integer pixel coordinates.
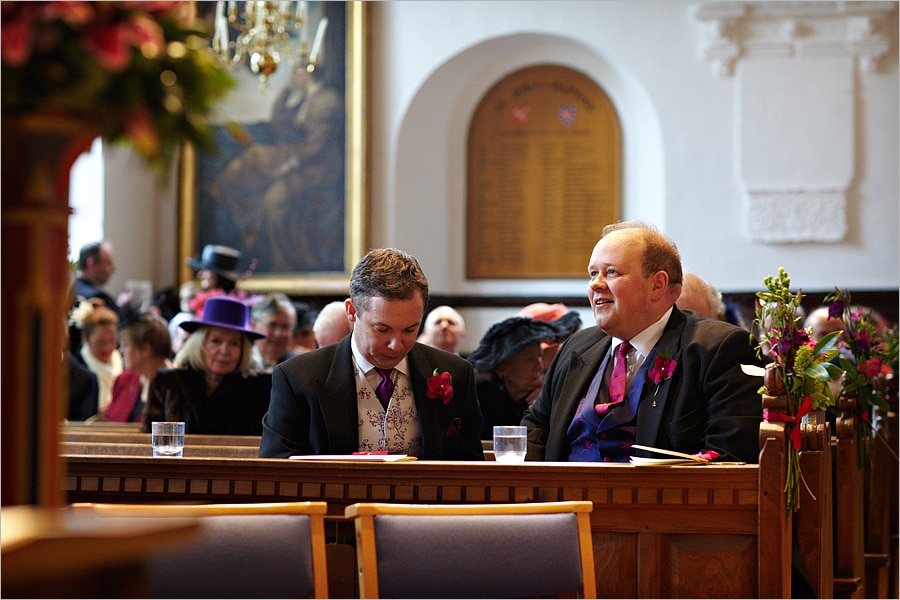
(265, 212)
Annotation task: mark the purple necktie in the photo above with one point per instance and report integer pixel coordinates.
(386, 388)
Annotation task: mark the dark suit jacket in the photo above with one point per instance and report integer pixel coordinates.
(85, 289)
(84, 391)
(313, 408)
(708, 404)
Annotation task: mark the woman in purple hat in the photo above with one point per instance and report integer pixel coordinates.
(215, 387)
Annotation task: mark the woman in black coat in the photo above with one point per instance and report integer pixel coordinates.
(215, 387)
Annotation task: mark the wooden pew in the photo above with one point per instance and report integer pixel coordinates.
(144, 449)
(813, 522)
(713, 530)
(129, 441)
(101, 425)
(131, 437)
(658, 531)
(849, 487)
(881, 510)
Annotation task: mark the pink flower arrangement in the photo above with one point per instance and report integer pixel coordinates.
(801, 367)
(140, 72)
(440, 387)
(866, 359)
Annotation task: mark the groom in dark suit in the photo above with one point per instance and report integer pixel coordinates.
(377, 390)
(684, 389)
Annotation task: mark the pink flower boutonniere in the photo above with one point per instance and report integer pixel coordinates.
(663, 368)
(440, 387)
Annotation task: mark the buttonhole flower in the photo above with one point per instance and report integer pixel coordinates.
(663, 368)
(440, 387)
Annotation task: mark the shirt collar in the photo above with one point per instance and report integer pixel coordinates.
(644, 341)
(365, 366)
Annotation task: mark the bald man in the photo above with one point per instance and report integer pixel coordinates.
(700, 296)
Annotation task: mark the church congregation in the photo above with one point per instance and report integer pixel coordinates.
(280, 277)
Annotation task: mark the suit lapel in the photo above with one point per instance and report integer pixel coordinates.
(337, 400)
(419, 372)
(582, 368)
(653, 402)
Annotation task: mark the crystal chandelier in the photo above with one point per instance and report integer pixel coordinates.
(268, 33)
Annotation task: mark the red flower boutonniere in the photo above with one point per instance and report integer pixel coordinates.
(663, 368)
(440, 386)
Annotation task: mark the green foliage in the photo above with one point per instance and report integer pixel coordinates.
(803, 366)
(867, 357)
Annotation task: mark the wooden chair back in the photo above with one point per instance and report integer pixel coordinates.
(523, 550)
(266, 550)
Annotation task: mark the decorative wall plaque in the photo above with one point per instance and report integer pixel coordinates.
(544, 175)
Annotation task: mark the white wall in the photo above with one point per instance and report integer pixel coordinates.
(680, 125)
(432, 61)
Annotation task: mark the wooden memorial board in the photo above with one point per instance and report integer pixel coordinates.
(544, 175)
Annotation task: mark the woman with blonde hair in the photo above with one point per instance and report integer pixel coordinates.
(99, 347)
(215, 386)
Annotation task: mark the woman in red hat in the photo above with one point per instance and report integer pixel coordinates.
(215, 387)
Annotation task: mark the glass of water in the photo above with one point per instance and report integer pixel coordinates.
(509, 443)
(167, 438)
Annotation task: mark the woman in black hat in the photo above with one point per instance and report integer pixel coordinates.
(215, 267)
(509, 368)
(215, 387)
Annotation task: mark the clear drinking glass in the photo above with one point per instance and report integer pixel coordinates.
(167, 438)
(509, 443)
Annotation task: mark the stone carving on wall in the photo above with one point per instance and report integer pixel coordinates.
(796, 154)
(733, 30)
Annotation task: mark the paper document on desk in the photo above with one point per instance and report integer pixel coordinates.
(356, 457)
(674, 457)
(641, 461)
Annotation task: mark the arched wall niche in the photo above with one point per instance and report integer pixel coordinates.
(429, 221)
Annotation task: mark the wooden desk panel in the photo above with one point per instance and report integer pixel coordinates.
(688, 531)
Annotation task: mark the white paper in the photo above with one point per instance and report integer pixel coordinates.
(356, 457)
(680, 455)
(644, 462)
(753, 370)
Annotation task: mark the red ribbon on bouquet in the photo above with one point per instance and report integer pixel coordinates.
(794, 436)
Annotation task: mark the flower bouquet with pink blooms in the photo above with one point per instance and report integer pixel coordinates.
(865, 359)
(801, 369)
(140, 72)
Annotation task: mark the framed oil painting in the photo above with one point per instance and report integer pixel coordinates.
(286, 187)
